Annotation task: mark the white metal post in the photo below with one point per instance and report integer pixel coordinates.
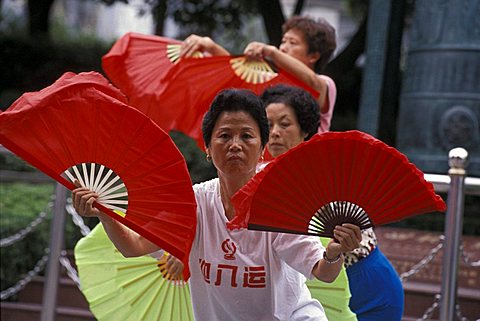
(458, 158)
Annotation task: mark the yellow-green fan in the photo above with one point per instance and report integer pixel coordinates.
(133, 289)
(334, 296)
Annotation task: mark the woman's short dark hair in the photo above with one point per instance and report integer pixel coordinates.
(319, 36)
(305, 106)
(235, 100)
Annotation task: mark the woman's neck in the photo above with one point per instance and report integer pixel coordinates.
(228, 187)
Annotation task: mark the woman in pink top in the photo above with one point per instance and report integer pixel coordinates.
(307, 46)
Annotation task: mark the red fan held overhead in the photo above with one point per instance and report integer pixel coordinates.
(139, 65)
(334, 178)
(65, 82)
(195, 82)
(78, 128)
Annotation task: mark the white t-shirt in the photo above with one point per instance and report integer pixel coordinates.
(248, 275)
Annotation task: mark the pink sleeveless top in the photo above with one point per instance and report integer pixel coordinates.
(325, 118)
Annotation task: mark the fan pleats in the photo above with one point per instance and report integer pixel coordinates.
(194, 83)
(175, 93)
(140, 65)
(343, 177)
(119, 288)
(81, 129)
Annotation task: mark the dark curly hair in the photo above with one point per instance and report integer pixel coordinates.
(305, 106)
(319, 35)
(235, 100)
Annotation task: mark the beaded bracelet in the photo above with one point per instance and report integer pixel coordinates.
(331, 261)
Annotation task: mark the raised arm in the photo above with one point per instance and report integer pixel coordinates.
(128, 242)
(258, 50)
(194, 43)
(328, 268)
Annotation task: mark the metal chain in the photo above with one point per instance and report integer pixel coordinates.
(12, 239)
(459, 313)
(467, 259)
(428, 313)
(77, 219)
(39, 266)
(427, 259)
(71, 272)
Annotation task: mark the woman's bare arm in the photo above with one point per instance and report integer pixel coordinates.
(128, 242)
(194, 43)
(257, 50)
(348, 238)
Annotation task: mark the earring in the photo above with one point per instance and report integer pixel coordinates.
(209, 158)
(262, 159)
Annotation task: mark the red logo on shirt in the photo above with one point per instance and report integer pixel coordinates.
(229, 248)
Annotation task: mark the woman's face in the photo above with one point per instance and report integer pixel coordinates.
(236, 145)
(294, 44)
(285, 131)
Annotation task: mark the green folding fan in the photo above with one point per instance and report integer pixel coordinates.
(133, 289)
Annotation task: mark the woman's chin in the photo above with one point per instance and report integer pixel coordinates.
(276, 150)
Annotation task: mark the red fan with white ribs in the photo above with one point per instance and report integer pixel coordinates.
(66, 81)
(139, 65)
(175, 93)
(334, 178)
(79, 128)
(194, 83)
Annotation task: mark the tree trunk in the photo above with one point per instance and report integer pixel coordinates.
(347, 75)
(392, 75)
(159, 13)
(298, 7)
(39, 18)
(273, 19)
(346, 59)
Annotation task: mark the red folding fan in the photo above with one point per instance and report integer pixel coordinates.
(75, 130)
(68, 79)
(139, 65)
(195, 82)
(334, 178)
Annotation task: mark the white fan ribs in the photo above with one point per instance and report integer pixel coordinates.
(111, 190)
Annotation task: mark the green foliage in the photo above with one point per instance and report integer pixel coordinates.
(206, 17)
(11, 23)
(19, 201)
(12, 163)
(228, 22)
(32, 65)
(200, 170)
(63, 35)
(20, 204)
(357, 8)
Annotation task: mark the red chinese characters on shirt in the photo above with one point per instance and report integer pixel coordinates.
(251, 276)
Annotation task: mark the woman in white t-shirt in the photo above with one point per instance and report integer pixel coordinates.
(240, 275)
